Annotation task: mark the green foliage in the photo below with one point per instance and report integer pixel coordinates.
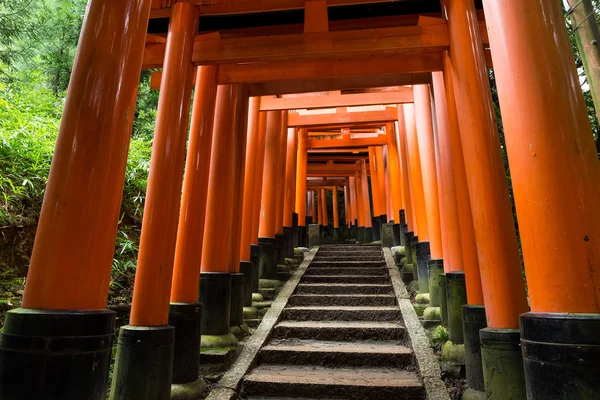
(438, 336)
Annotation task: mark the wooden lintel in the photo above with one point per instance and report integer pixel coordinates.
(335, 168)
(380, 140)
(403, 95)
(390, 114)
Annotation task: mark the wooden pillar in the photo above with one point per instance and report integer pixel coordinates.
(281, 164)
(428, 167)
(375, 189)
(416, 179)
(360, 208)
(352, 198)
(336, 215)
(302, 160)
(150, 305)
(347, 210)
(188, 252)
(253, 140)
(395, 174)
(503, 288)
(388, 187)
(554, 165)
(320, 208)
(313, 207)
(72, 256)
(364, 193)
(290, 177)
(325, 210)
(407, 198)
(258, 175)
(268, 212)
(381, 180)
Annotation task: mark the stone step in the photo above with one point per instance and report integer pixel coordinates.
(331, 353)
(349, 252)
(345, 279)
(340, 313)
(348, 264)
(347, 257)
(339, 330)
(347, 383)
(331, 270)
(344, 288)
(342, 300)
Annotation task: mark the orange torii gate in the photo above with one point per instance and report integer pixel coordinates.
(554, 170)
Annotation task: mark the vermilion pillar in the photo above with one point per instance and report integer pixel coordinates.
(313, 206)
(556, 181)
(281, 164)
(379, 159)
(325, 210)
(395, 174)
(347, 210)
(258, 177)
(407, 201)
(366, 203)
(290, 176)
(375, 189)
(150, 305)
(501, 276)
(336, 215)
(72, 256)
(416, 179)
(302, 160)
(352, 199)
(188, 253)
(428, 167)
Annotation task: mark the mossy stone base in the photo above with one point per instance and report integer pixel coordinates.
(218, 342)
(257, 297)
(453, 353)
(291, 261)
(250, 313)
(432, 314)
(283, 268)
(298, 252)
(188, 391)
(422, 298)
(404, 261)
(471, 394)
(502, 360)
(269, 284)
(413, 286)
(419, 309)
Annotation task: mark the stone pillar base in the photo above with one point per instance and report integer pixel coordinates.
(503, 363)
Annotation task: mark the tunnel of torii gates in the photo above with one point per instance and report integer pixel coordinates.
(294, 98)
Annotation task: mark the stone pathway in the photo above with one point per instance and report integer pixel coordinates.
(341, 335)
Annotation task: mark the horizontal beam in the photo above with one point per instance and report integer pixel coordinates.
(404, 95)
(390, 114)
(162, 8)
(312, 157)
(380, 140)
(348, 169)
(309, 46)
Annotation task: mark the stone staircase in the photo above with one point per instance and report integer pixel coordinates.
(341, 335)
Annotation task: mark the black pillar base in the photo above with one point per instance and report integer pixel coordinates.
(144, 363)
(502, 362)
(236, 316)
(185, 318)
(382, 220)
(247, 269)
(473, 321)
(302, 235)
(423, 256)
(408, 248)
(52, 354)
(267, 265)
(561, 355)
(456, 298)
(396, 229)
(215, 298)
(368, 235)
(413, 254)
(295, 232)
(336, 233)
(280, 253)
(288, 232)
(376, 228)
(255, 260)
(360, 234)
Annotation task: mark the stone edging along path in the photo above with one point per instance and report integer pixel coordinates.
(227, 387)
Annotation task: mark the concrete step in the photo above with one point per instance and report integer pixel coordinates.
(380, 279)
(350, 252)
(348, 264)
(340, 313)
(348, 257)
(339, 330)
(342, 300)
(344, 288)
(332, 270)
(331, 353)
(347, 383)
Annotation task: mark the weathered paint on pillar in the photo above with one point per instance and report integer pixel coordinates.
(407, 201)
(500, 267)
(416, 179)
(281, 163)
(290, 176)
(268, 212)
(302, 160)
(152, 289)
(554, 165)
(428, 167)
(381, 178)
(72, 256)
(378, 208)
(365, 195)
(388, 186)
(395, 174)
(190, 231)
(336, 214)
(467, 232)
(258, 175)
(253, 139)
(453, 247)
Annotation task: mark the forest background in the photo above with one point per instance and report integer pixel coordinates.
(38, 41)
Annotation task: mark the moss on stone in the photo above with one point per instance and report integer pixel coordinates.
(215, 342)
(432, 314)
(454, 353)
(422, 298)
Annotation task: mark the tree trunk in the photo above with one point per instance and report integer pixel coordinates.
(587, 35)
